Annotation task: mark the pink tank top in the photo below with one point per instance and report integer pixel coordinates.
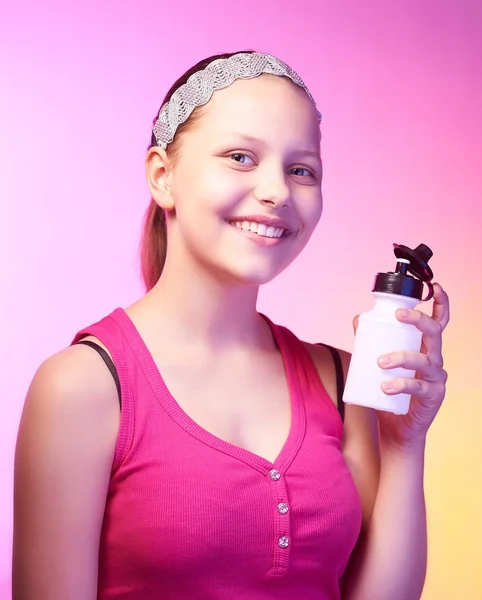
(189, 515)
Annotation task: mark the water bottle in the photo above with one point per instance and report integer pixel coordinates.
(380, 332)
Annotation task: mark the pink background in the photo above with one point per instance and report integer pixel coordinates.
(400, 88)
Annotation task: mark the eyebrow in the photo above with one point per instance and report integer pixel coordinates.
(254, 140)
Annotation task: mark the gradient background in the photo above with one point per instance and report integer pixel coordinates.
(400, 88)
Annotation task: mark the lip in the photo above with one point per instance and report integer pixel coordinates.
(263, 220)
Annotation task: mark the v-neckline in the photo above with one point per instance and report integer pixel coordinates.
(177, 413)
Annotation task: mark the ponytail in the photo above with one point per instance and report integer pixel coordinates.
(154, 245)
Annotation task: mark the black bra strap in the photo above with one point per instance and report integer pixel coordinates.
(108, 361)
(340, 379)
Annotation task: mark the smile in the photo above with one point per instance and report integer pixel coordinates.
(260, 229)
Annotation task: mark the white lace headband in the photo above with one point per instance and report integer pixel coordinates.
(217, 75)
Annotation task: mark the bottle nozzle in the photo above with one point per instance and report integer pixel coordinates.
(411, 272)
(402, 266)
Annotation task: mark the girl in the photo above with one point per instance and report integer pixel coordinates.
(212, 459)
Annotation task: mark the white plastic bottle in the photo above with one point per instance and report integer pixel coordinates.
(380, 332)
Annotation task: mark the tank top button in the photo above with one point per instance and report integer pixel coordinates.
(274, 474)
(284, 542)
(283, 508)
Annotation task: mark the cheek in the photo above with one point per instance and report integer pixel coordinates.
(212, 190)
(310, 210)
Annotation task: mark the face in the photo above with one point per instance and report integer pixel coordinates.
(246, 184)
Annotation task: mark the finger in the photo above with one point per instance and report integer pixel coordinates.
(412, 361)
(355, 323)
(415, 387)
(431, 329)
(441, 306)
(423, 322)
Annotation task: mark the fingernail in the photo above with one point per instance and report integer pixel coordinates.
(384, 360)
(386, 385)
(403, 313)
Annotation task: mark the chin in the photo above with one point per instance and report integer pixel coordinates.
(255, 280)
(255, 276)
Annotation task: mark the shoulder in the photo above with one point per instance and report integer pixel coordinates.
(72, 393)
(71, 407)
(76, 373)
(323, 360)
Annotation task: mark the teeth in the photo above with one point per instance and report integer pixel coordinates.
(259, 228)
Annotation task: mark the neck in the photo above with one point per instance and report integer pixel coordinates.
(193, 306)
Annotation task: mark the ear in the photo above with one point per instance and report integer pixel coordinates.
(158, 175)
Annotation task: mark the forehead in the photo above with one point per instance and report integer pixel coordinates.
(266, 106)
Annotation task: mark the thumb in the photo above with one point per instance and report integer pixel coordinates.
(355, 323)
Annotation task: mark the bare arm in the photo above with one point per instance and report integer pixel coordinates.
(392, 557)
(391, 560)
(63, 460)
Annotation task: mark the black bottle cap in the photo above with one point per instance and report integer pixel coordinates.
(399, 281)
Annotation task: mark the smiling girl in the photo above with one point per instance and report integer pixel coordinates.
(189, 447)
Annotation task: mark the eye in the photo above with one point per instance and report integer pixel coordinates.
(301, 172)
(241, 158)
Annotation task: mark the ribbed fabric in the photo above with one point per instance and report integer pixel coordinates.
(189, 515)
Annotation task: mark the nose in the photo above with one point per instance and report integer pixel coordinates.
(274, 192)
